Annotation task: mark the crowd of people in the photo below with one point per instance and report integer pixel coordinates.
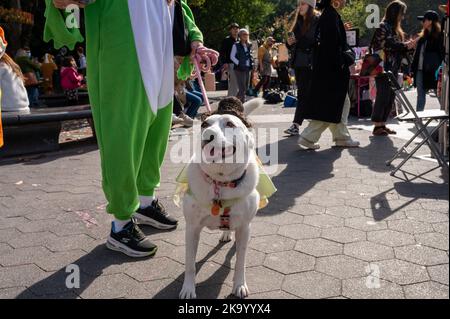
(317, 58)
(24, 79)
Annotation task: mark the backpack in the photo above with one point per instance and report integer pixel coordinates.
(274, 97)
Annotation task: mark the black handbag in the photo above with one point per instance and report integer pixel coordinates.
(431, 62)
(181, 41)
(303, 58)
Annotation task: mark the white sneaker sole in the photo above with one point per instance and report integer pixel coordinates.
(291, 133)
(308, 146)
(345, 145)
(144, 220)
(113, 244)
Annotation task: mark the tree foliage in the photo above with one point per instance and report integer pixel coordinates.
(274, 17)
(214, 16)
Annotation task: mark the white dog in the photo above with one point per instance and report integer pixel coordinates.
(222, 190)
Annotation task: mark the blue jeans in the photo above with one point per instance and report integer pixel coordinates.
(193, 101)
(33, 95)
(421, 93)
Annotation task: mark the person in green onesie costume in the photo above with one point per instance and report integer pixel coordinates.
(131, 103)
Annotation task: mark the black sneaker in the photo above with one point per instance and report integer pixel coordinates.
(131, 241)
(292, 131)
(155, 215)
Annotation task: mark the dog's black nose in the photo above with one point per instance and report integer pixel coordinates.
(208, 137)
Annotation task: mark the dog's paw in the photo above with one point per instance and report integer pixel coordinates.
(226, 237)
(241, 291)
(188, 292)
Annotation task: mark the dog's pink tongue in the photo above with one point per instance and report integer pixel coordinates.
(228, 151)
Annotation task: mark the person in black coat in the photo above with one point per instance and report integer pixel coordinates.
(428, 57)
(325, 101)
(301, 42)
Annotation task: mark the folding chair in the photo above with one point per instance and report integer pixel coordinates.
(421, 121)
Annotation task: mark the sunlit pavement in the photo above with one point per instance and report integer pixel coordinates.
(339, 227)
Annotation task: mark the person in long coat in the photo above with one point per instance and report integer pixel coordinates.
(330, 79)
(428, 57)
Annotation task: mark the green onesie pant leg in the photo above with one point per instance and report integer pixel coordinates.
(120, 106)
(155, 149)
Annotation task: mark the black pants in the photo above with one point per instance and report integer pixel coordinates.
(177, 107)
(384, 101)
(243, 78)
(303, 77)
(264, 83)
(283, 76)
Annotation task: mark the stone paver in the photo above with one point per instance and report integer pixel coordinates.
(289, 262)
(365, 224)
(401, 272)
(368, 251)
(272, 244)
(344, 234)
(341, 266)
(299, 231)
(434, 240)
(339, 227)
(319, 247)
(360, 288)
(428, 216)
(427, 290)
(410, 226)
(421, 255)
(439, 273)
(312, 285)
(391, 238)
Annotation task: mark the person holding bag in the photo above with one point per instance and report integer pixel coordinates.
(428, 57)
(389, 43)
(327, 103)
(301, 43)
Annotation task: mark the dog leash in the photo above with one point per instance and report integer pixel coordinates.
(210, 58)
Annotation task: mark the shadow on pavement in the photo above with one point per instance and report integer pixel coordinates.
(375, 155)
(304, 169)
(68, 149)
(208, 289)
(91, 266)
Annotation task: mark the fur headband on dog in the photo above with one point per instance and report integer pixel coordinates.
(230, 106)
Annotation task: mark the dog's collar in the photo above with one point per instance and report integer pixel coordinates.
(232, 184)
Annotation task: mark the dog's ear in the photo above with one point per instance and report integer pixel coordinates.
(205, 116)
(252, 105)
(214, 107)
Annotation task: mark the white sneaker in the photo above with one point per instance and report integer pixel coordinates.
(308, 145)
(187, 121)
(347, 143)
(176, 120)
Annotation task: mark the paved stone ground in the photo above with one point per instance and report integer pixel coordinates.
(338, 217)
